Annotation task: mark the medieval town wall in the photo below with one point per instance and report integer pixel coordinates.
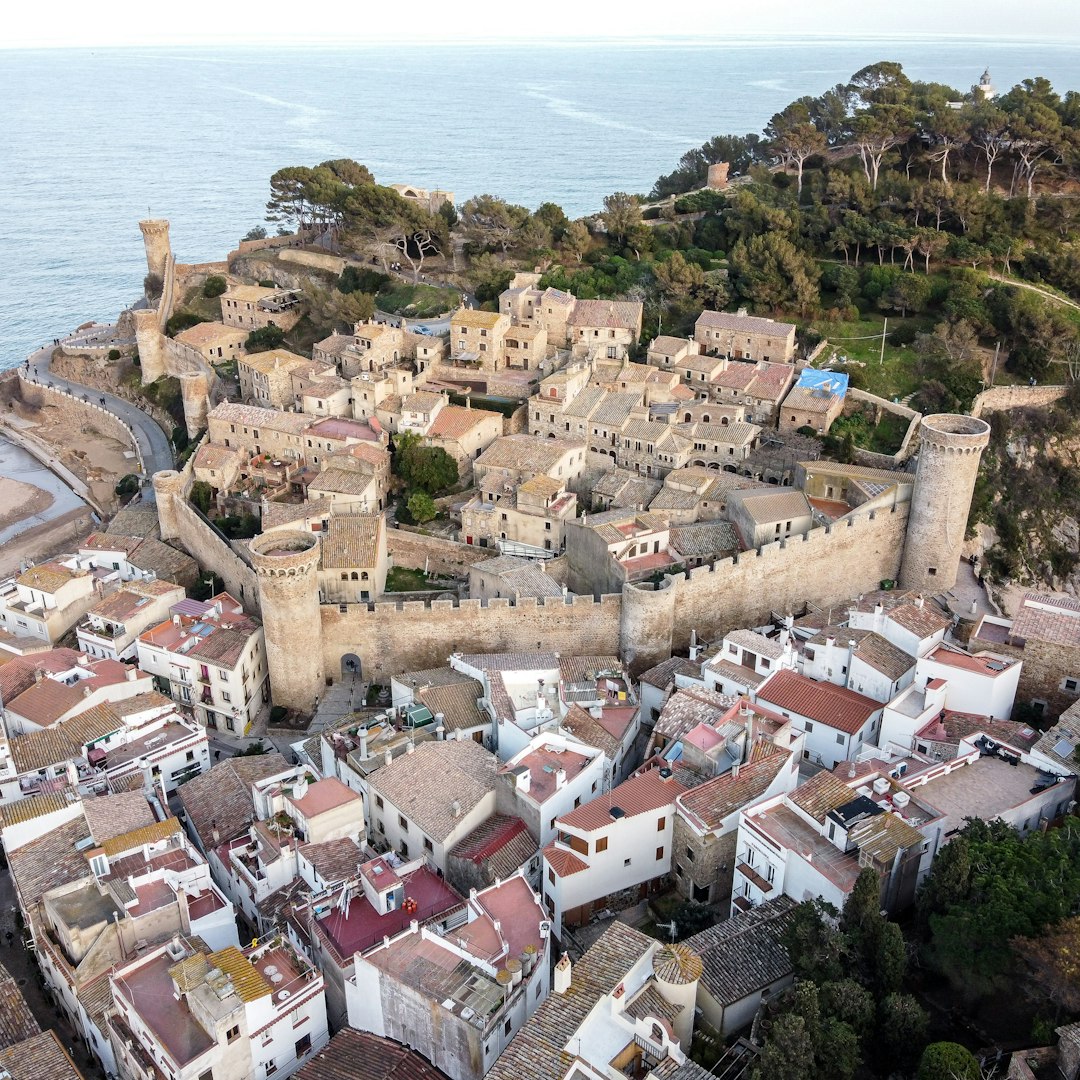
(825, 566)
(390, 638)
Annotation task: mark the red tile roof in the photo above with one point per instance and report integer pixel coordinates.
(715, 800)
(563, 862)
(835, 706)
(638, 795)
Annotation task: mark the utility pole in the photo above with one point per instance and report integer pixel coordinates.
(993, 369)
(884, 331)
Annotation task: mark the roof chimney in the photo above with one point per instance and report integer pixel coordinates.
(561, 982)
(388, 756)
(455, 807)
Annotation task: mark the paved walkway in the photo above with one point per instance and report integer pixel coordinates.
(153, 443)
(967, 597)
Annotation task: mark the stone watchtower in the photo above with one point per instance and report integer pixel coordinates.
(646, 624)
(156, 241)
(287, 565)
(150, 342)
(195, 391)
(950, 448)
(168, 488)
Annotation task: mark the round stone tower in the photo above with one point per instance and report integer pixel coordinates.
(168, 487)
(678, 968)
(647, 623)
(156, 241)
(287, 566)
(195, 391)
(950, 448)
(151, 344)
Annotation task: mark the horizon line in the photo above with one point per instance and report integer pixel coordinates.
(702, 40)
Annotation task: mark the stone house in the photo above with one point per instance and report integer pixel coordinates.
(760, 386)
(517, 458)
(745, 337)
(354, 559)
(525, 347)
(477, 339)
(668, 352)
(464, 433)
(604, 328)
(605, 550)
(215, 342)
(524, 520)
(764, 516)
(253, 430)
(707, 818)
(1045, 635)
(531, 308)
(815, 401)
(253, 307)
(217, 466)
(511, 577)
(266, 377)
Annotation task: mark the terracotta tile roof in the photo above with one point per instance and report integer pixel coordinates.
(750, 324)
(38, 1057)
(46, 577)
(923, 621)
(341, 481)
(474, 317)
(638, 795)
(584, 726)
(609, 314)
(502, 842)
(1043, 617)
(163, 559)
(247, 980)
(526, 453)
(333, 860)
(49, 861)
(16, 1020)
(712, 802)
(134, 522)
(276, 513)
(425, 784)
(352, 540)
(983, 663)
(663, 675)
(835, 706)
(455, 420)
(14, 813)
(806, 400)
(457, 704)
(276, 360)
(538, 1051)
(820, 794)
(210, 456)
(563, 861)
(251, 416)
(46, 701)
(223, 795)
(137, 838)
(688, 707)
(768, 506)
(745, 953)
(882, 655)
(704, 539)
(41, 749)
(210, 333)
(109, 816)
(359, 1055)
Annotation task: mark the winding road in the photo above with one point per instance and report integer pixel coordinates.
(153, 444)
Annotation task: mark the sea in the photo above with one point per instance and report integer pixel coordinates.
(93, 140)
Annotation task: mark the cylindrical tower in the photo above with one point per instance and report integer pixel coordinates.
(950, 448)
(168, 487)
(287, 566)
(195, 391)
(155, 234)
(678, 968)
(646, 624)
(151, 345)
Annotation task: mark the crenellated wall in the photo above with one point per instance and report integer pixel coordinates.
(390, 638)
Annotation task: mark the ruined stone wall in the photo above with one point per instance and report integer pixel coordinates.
(1000, 398)
(825, 566)
(712, 866)
(391, 638)
(440, 556)
(332, 264)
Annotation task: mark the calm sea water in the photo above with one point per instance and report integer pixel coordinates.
(92, 141)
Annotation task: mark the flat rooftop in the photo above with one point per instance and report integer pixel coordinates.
(150, 990)
(361, 926)
(985, 788)
(789, 830)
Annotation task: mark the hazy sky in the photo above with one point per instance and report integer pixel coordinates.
(64, 23)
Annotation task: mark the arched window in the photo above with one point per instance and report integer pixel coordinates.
(687, 418)
(355, 576)
(364, 576)
(658, 1034)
